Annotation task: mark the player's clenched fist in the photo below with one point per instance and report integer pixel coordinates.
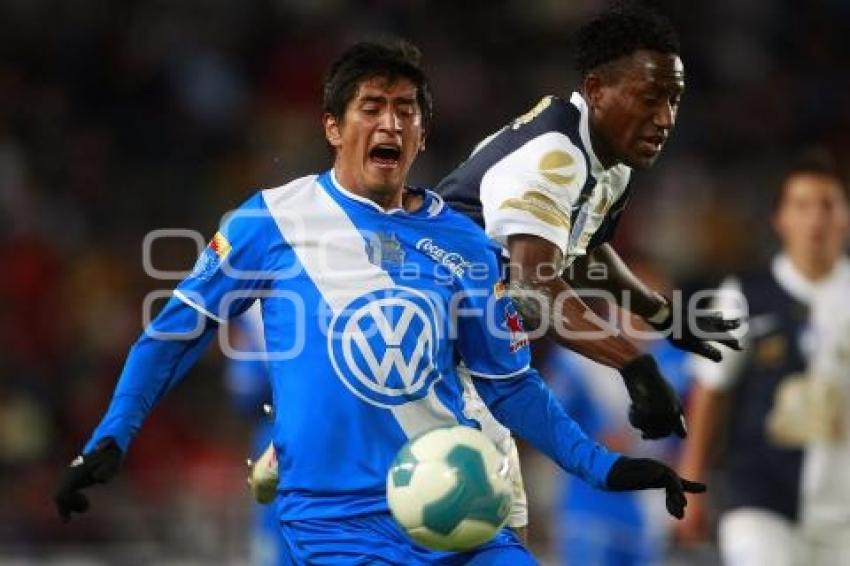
(98, 466)
(655, 410)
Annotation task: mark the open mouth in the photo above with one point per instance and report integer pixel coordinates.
(651, 145)
(385, 155)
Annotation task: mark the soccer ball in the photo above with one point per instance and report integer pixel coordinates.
(450, 488)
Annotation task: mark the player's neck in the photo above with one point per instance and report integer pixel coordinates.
(388, 198)
(601, 149)
(812, 268)
(403, 198)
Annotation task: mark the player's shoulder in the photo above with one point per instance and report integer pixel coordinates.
(758, 286)
(754, 277)
(276, 195)
(467, 235)
(461, 224)
(550, 113)
(545, 140)
(254, 217)
(553, 119)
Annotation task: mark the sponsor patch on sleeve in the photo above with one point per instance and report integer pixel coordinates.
(499, 289)
(211, 257)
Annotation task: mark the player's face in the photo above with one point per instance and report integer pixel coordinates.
(812, 219)
(634, 106)
(378, 138)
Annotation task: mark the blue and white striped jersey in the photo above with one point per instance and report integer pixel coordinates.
(361, 343)
(367, 315)
(540, 176)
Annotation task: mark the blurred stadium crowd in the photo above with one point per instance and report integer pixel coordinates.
(117, 118)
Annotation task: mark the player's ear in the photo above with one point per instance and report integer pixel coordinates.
(422, 139)
(592, 88)
(333, 131)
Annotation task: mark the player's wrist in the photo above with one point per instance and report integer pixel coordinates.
(662, 314)
(638, 367)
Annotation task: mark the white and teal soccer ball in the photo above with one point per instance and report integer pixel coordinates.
(450, 488)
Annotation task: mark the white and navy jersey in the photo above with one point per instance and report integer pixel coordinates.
(366, 314)
(540, 176)
(797, 338)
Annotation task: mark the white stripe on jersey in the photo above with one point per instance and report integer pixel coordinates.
(333, 254)
(194, 304)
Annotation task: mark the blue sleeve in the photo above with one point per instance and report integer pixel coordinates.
(165, 351)
(225, 281)
(490, 336)
(230, 272)
(569, 386)
(527, 407)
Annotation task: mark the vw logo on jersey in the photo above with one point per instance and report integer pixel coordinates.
(383, 346)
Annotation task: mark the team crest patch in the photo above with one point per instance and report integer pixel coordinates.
(212, 256)
(384, 249)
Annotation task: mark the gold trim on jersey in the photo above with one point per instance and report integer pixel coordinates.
(541, 207)
(554, 166)
(533, 113)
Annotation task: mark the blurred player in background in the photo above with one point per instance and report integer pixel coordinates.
(552, 185)
(353, 260)
(784, 403)
(247, 381)
(598, 527)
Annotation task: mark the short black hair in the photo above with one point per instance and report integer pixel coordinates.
(815, 160)
(620, 31)
(391, 59)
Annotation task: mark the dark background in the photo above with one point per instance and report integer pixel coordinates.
(117, 118)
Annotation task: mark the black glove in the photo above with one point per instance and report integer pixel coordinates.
(655, 410)
(98, 466)
(642, 473)
(709, 327)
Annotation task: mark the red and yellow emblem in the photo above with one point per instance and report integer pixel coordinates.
(499, 289)
(220, 245)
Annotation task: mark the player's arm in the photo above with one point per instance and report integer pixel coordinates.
(525, 405)
(154, 365)
(616, 278)
(535, 283)
(223, 284)
(539, 291)
(497, 357)
(707, 410)
(631, 293)
(708, 407)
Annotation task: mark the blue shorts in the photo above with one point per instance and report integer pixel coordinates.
(378, 539)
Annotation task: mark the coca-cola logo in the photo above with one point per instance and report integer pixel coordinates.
(455, 262)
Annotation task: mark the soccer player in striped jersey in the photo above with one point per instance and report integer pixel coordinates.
(552, 185)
